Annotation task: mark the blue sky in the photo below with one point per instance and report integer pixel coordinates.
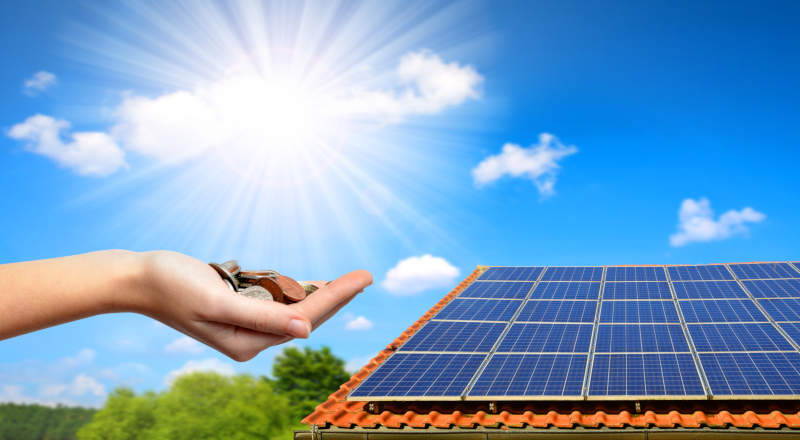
(415, 140)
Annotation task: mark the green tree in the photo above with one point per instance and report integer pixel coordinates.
(307, 377)
(125, 416)
(36, 422)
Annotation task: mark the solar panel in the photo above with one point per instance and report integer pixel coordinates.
(752, 373)
(671, 374)
(729, 310)
(782, 309)
(636, 290)
(708, 290)
(566, 290)
(638, 311)
(699, 273)
(421, 375)
(479, 309)
(547, 338)
(455, 336)
(738, 337)
(758, 271)
(511, 274)
(494, 289)
(639, 338)
(792, 329)
(579, 273)
(773, 288)
(558, 311)
(636, 273)
(531, 375)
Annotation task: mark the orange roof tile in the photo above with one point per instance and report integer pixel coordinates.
(340, 413)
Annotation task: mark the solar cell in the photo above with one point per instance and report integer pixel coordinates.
(737, 337)
(638, 311)
(636, 290)
(773, 288)
(708, 289)
(579, 273)
(566, 290)
(414, 374)
(531, 375)
(672, 374)
(455, 336)
(639, 338)
(511, 274)
(752, 373)
(758, 271)
(699, 273)
(495, 289)
(479, 309)
(792, 329)
(558, 311)
(725, 310)
(782, 309)
(635, 273)
(547, 338)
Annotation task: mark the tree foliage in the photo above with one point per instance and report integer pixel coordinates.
(307, 377)
(36, 422)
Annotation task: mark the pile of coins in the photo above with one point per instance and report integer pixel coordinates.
(267, 285)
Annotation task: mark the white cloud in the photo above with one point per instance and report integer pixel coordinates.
(210, 364)
(86, 384)
(39, 82)
(359, 323)
(696, 223)
(538, 163)
(416, 274)
(87, 153)
(83, 357)
(184, 345)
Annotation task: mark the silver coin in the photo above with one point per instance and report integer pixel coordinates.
(257, 292)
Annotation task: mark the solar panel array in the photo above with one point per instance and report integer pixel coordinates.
(606, 332)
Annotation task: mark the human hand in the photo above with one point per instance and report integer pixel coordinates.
(189, 296)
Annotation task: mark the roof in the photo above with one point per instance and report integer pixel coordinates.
(339, 413)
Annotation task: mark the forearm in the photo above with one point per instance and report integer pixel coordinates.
(44, 293)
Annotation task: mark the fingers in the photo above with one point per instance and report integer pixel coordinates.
(334, 295)
(261, 316)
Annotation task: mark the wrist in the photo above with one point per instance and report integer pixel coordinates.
(126, 289)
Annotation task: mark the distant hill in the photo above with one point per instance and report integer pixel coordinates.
(37, 422)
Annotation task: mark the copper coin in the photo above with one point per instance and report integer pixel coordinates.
(292, 290)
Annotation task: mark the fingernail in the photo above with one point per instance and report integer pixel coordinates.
(299, 329)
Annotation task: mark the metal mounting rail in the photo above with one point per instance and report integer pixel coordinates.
(587, 375)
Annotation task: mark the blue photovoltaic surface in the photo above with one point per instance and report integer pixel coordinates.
(413, 374)
(511, 273)
(792, 329)
(699, 273)
(566, 290)
(738, 337)
(638, 338)
(547, 338)
(773, 288)
(782, 309)
(629, 273)
(708, 289)
(558, 311)
(672, 374)
(724, 310)
(479, 309)
(760, 271)
(638, 311)
(495, 289)
(455, 336)
(531, 375)
(752, 373)
(573, 274)
(640, 290)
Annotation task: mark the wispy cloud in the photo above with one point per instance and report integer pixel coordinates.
(539, 163)
(210, 364)
(358, 323)
(39, 82)
(696, 223)
(184, 345)
(86, 153)
(416, 274)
